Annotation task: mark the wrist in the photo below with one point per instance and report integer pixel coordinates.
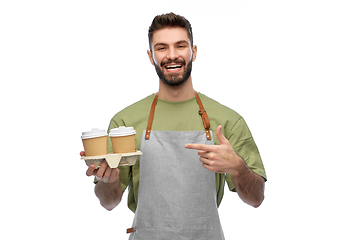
(240, 170)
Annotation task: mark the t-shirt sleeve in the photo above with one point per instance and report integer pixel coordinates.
(244, 145)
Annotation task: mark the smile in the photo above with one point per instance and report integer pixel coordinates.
(173, 67)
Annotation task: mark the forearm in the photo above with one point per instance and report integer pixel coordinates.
(249, 186)
(109, 194)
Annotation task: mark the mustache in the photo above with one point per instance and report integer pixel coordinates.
(175, 61)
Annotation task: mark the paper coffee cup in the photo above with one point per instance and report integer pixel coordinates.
(123, 139)
(95, 142)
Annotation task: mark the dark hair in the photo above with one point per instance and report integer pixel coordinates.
(169, 20)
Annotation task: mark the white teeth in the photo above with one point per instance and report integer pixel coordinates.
(173, 66)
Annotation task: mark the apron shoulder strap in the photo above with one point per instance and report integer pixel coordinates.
(204, 116)
(202, 113)
(151, 117)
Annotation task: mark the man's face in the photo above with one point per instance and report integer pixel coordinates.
(172, 55)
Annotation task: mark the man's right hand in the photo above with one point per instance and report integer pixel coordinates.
(104, 173)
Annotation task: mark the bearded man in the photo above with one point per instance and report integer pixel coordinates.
(191, 146)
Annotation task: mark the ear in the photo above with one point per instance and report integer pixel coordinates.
(150, 57)
(194, 52)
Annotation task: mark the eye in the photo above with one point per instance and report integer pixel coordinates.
(160, 48)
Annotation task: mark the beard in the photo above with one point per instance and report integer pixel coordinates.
(174, 79)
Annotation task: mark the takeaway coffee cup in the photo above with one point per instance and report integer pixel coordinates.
(123, 139)
(95, 142)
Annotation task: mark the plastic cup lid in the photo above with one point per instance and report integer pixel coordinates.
(95, 132)
(122, 131)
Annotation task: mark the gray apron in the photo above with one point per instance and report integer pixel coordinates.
(177, 195)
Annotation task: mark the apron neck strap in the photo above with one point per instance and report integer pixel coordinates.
(202, 113)
(151, 117)
(204, 116)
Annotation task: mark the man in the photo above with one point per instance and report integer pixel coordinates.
(178, 183)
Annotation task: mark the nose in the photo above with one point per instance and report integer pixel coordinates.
(172, 53)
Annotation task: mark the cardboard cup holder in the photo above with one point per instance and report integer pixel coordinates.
(113, 159)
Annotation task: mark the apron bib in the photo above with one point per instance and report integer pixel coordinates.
(177, 195)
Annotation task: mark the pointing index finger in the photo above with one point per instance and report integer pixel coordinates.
(196, 146)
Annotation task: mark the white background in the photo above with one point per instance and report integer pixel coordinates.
(290, 68)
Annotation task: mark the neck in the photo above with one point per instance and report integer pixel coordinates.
(176, 94)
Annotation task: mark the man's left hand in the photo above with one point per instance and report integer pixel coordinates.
(218, 158)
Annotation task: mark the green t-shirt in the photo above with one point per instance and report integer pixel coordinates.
(184, 116)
